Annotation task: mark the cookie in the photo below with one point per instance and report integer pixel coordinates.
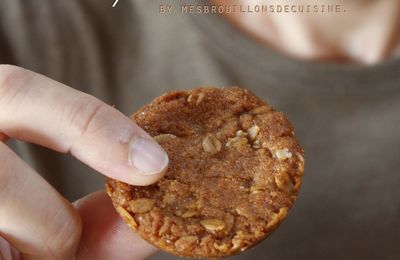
(235, 170)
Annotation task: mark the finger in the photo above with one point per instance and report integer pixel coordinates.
(7, 252)
(34, 218)
(105, 236)
(42, 111)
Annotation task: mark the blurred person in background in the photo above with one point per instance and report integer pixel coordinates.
(336, 76)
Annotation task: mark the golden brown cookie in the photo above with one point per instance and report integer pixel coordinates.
(235, 169)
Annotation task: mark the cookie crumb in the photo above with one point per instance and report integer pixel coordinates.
(200, 98)
(283, 154)
(141, 205)
(241, 133)
(260, 110)
(253, 131)
(232, 141)
(222, 247)
(211, 144)
(213, 224)
(283, 181)
(185, 242)
(256, 144)
(162, 138)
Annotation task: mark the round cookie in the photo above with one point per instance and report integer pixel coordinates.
(235, 169)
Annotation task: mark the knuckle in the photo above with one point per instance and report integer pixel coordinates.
(12, 79)
(66, 236)
(86, 115)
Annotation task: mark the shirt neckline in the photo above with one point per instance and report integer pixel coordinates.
(234, 45)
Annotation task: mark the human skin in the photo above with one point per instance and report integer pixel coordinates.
(367, 33)
(31, 104)
(34, 218)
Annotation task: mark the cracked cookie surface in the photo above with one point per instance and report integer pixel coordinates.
(235, 170)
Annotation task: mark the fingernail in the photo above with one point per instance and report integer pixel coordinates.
(147, 156)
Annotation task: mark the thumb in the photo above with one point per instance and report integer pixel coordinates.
(37, 109)
(105, 235)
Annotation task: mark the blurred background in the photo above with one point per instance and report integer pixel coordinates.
(331, 66)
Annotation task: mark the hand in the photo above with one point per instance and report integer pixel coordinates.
(36, 222)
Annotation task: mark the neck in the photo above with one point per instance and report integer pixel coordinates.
(368, 32)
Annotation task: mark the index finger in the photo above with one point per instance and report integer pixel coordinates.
(40, 110)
